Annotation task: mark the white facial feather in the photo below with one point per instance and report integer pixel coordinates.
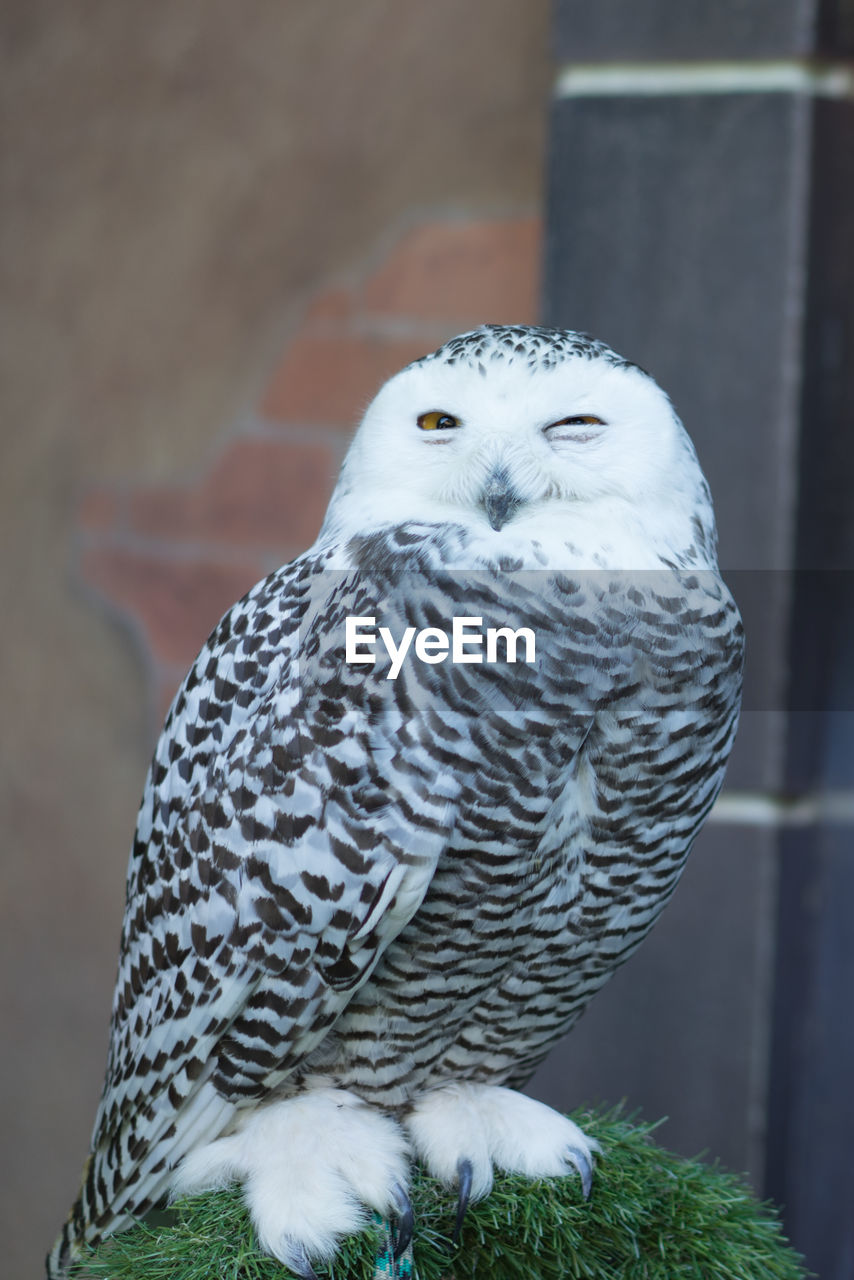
(636, 472)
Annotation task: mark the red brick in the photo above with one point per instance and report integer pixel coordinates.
(332, 310)
(332, 380)
(266, 493)
(175, 603)
(99, 510)
(462, 272)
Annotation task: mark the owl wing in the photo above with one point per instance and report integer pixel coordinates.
(282, 843)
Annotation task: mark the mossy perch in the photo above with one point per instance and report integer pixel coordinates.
(652, 1216)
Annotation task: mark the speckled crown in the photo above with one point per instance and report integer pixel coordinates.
(535, 346)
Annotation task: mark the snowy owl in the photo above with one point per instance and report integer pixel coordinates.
(422, 792)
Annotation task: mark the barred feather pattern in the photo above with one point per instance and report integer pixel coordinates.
(392, 883)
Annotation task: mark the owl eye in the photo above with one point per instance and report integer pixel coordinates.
(565, 429)
(437, 420)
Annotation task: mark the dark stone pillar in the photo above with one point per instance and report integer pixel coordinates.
(699, 219)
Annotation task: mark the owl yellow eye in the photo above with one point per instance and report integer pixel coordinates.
(572, 428)
(581, 420)
(437, 420)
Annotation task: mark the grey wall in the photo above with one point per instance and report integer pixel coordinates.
(707, 235)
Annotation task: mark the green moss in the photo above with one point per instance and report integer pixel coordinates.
(652, 1216)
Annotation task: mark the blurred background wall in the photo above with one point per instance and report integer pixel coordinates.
(206, 208)
(179, 182)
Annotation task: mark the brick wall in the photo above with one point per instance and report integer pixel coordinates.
(169, 560)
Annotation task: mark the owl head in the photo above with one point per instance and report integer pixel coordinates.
(518, 432)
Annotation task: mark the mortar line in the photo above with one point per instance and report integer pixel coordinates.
(764, 809)
(661, 79)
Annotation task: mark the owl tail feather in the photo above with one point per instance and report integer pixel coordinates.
(67, 1247)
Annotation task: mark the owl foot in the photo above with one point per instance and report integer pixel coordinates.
(462, 1130)
(309, 1166)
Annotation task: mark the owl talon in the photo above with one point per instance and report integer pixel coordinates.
(405, 1219)
(300, 1265)
(465, 1172)
(580, 1161)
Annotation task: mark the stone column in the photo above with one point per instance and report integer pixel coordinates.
(700, 219)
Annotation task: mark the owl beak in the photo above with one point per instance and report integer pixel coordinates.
(499, 499)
